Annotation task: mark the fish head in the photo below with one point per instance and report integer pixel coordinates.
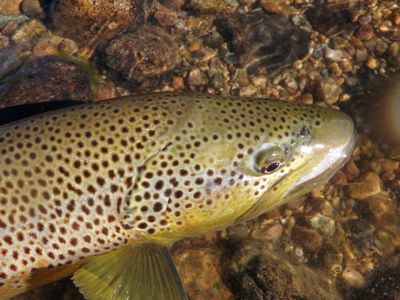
(323, 142)
(231, 160)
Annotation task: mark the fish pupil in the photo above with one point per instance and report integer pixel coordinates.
(271, 167)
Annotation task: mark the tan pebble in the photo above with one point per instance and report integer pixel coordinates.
(372, 63)
(248, 91)
(260, 81)
(195, 46)
(165, 16)
(335, 69)
(364, 19)
(394, 49)
(10, 7)
(380, 204)
(270, 233)
(195, 77)
(389, 165)
(344, 97)
(44, 48)
(307, 98)
(353, 278)
(105, 90)
(308, 238)
(369, 185)
(68, 46)
(177, 83)
(10, 28)
(339, 178)
(346, 66)
(365, 32)
(296, 205)
(276, 6)
(274, 213)
(396, 18)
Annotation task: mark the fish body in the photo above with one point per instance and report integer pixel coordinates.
(89, 180)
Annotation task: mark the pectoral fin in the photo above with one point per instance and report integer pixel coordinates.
(135, 272)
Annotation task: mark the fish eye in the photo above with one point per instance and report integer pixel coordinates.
(271, 167)
(269, 160)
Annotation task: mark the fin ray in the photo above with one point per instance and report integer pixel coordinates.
(135, 272)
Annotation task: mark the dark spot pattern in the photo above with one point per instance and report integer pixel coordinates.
(88, 179)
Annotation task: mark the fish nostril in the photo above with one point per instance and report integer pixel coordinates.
(305, 132)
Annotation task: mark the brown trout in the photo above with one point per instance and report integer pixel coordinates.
(101, 190)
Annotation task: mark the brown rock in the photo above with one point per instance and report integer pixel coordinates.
(45, 79)
(177, 83)
(165, 16)
(81, 20)
(365, 32)
(143, 55)
(308, 238)
(261, 40)
(328, 90)
(369, 185)
(10, 7)
(44, 48)
(258, 272)
(200, 271)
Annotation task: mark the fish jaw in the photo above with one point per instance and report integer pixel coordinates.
(331, 145)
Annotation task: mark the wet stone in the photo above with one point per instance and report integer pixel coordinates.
(10, 7)
(200, 271)
(266, 41)
(81, 20)
(368, 186)
(45, 79)
(143, 55)
(28, 31)
(329, 19)
(32, 9)
(328, 90)
(257, 272)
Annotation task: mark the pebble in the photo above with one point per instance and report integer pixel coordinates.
(44, 48)
(68, 46)
(372, 63)
(368, 186)
(353, 278)
(10, 7)
(328, 90)
(10, 28)
(165, 16)
(333, 55)
(4, 41)
(195, 77)
(277, 7)
(28, 31)
(177, 83)
(248, 91)
(267, 233)
(308, 238)
(147, 53)
(365, 32)
(364, 19)
(45, 79)
(32, 9)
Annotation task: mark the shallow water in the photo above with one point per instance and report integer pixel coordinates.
(343, 237)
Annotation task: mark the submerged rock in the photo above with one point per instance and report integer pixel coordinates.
(82, 20)
(46, 79)
(144, 55)
(255, 272)
(261, 40)
(329, 19)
